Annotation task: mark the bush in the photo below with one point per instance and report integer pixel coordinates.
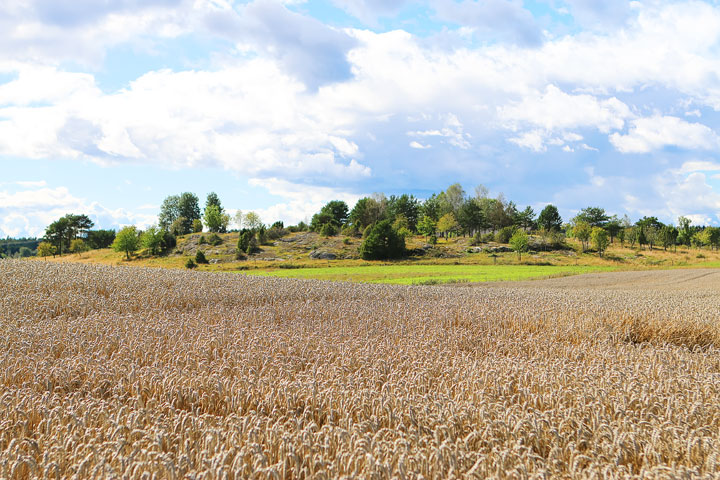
(328, 230)
(261, 235)
(276, 232)
(350, 231)
(214, 239)
(504, 234)
(202, 240)
(200, 257)
(197, 226)
(487, 238)
(244, 240)
(382, 242)
(346, 241)
(190, 263)
(168, 242)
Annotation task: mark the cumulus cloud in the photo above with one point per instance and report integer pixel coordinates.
(654, 133)
(301, 201)
(506, 19)
(368, 11)
(28, 212)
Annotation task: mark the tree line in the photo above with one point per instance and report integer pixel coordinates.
(384, 223)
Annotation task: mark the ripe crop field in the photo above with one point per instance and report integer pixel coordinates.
(142, 373)
(439, 273)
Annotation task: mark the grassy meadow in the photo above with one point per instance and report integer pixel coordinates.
(450, 261)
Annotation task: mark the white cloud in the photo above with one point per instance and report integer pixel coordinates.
(302, 201)
(654, 133)
(28, 212)
(32, 183)
(419, 146)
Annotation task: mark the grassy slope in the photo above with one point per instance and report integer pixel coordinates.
(448, 262)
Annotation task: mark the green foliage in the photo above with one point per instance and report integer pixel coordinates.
(25, 252)
(252, 221)
(470, 217)
(550, 219)
(328, 230)
(100, 238)
(346, 241)
(334, 212)
(78, 245)
(202, 240)
(582, 231)
(350, 230)
(215, 239)
(594, 216)
(45, 249)
(197, 226)
(215, 220)
(62, 231)
(600, 239)
(505, 234)
(526, 219)
(178, 213)
(427, 226)
(406, 206)
(200, 257)
(190, 263)
(447, 224)
(244, 240)
(519, 242)
(152, 239)
(382, 242)
(261, 235)
(127, 241)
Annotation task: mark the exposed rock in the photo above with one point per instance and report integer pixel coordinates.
(318, 255)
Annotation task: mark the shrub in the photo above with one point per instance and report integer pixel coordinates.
(244, 240)
(328, 230)
(169, 241)
(202, 240)
(190, 263)
(200, 257)
(197, 226)
(504, 234)
(214, 239)
(346, 241)
(350, 231)
(487, 238)
(382, 242)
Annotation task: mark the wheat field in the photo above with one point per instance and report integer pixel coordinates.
(111, 372)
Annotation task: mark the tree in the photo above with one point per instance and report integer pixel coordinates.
(382, 242)
(470, 217)
(335, 212)
(684, 232)
(613, 227)
(152, 239)
(452, 199)
(582, 231)
(244, 240)
(66, 229)
(215, 220)
(252, 221)
(367, 211)
(447, 224)
(631, 235)
(600, 239)
(78, 245)
(520, 242)
(432, 207)
(238, 218)
(405, 205)
(550, 219)
(126, 241)
(526, 219)
(668, 236)
(100, 238)
(197, 226)
(426, 226)
(594, 216)
(45, 249)
(178, 212)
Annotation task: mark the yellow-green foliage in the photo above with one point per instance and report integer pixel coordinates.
(116, 372)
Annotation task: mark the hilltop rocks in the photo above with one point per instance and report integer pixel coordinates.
(318, 255)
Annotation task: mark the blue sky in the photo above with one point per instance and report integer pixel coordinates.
(278, 106)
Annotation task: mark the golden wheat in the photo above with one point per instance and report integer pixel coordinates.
(112, 372)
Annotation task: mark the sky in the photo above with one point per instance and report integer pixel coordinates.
(107, 107)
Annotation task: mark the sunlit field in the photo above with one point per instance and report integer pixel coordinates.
(123, 372)
(432, 274)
